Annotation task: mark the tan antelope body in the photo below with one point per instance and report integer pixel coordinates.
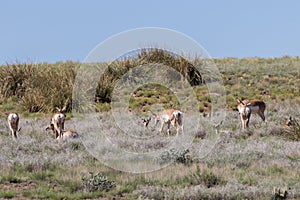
(57, 122)
(248, 107)
(170, 116)
(256, 107)
(66, 134)
(13, 123)
(245, 113)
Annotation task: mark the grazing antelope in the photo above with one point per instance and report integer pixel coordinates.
(13, 123)
(66, 134)
(245, 113)
(170, 116)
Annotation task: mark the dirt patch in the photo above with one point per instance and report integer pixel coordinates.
(19, 188)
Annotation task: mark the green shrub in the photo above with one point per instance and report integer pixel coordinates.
(97, 182)
(173, 155)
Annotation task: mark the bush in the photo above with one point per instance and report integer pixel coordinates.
(173, 155)
(97, 182)
(206, 178)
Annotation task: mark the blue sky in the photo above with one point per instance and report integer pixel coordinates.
(52, 31)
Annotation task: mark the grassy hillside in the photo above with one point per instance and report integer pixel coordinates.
(39, 88)
(263, 163)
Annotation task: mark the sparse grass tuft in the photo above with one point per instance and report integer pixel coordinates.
(7, 194)
(207, 178)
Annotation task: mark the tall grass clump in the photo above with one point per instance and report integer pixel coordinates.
(118, 68)
(39, 87)
(50, 87)
(180, 64)
(42, 87)
(13, 79)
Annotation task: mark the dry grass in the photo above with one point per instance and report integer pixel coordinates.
(38, 87)
(231, 164)
(237, 166)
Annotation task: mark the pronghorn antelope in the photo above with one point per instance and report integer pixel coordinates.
(290, 123)
(245, 113)
(256, 107)
(13, 123)
(65, 133)
(248, 107)
(68, 134)
(170, 116)
(58, 122)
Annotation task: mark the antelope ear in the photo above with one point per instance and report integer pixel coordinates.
(64, 109)
(248, 104)
(290, 118)
(239, 101)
